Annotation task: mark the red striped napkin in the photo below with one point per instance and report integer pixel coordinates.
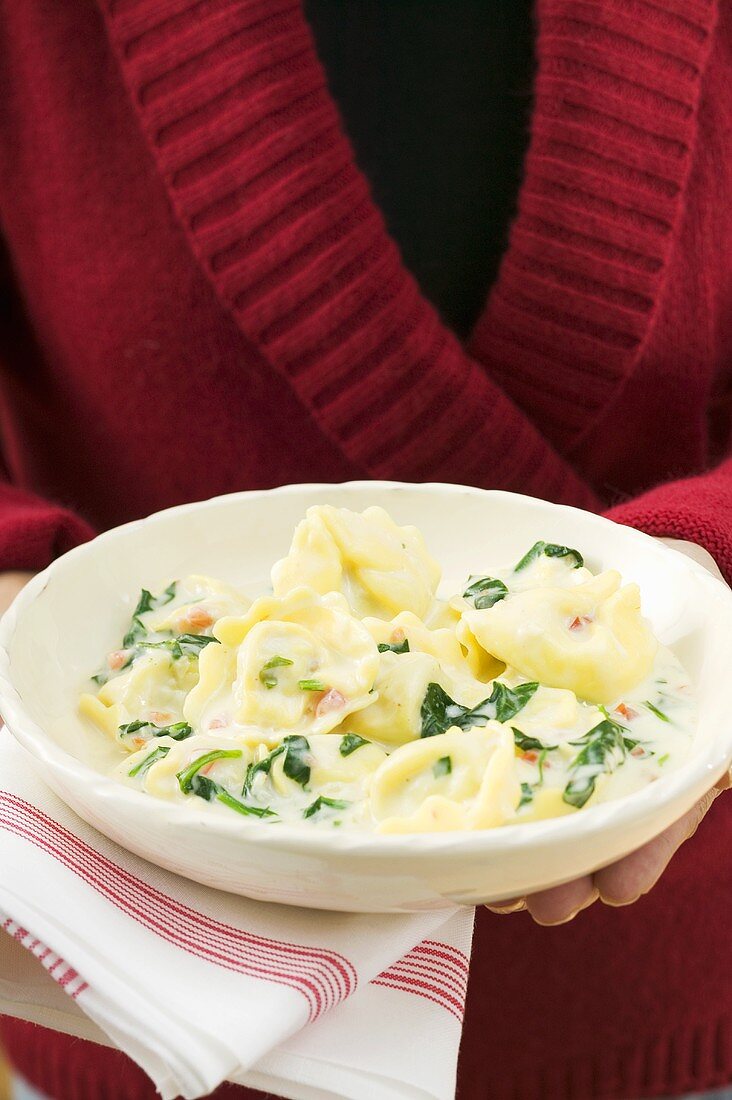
(199, 986)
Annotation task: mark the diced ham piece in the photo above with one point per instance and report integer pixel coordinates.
(116, 658)
(196, 619)
(531, 756)
(218, 723)
(626, 711)
(160, 717)
(397, 636)
(637, 750)
(332, 700)
(578, 622)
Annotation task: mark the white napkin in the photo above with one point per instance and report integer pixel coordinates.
(199, 986)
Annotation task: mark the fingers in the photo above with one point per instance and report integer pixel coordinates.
(562, 903)
(513, 905)
(554, 906)
(621, 883)
(625, 881)
(725, 782)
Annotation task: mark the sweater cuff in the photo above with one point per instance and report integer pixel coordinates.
(697, 509)
(33, 531)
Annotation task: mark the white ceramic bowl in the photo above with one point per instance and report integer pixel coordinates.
(54, 633)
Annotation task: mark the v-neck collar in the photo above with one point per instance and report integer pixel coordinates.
(234, 103)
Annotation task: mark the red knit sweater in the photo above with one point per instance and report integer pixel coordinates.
(203, 298)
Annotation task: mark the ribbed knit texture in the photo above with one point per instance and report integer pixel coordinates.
(680, 507)
(235, 107)
(74, 1070)
(208, 301)
(613, 132)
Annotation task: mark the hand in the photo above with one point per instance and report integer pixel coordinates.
(10, 585)
(619, 884)
(625, 881)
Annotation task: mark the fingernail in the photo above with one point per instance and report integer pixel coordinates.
(512, 907)
(618, 903)
(590, 900)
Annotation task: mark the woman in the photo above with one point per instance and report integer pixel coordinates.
(202, 297)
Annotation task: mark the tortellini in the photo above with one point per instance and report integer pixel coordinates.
(433, 656)
(154, 688)
(301, 662)
(205, 601)
(394, 717)
(380, 568)
(355, 696)
(332, 774)
(456, 780)
(591, 639)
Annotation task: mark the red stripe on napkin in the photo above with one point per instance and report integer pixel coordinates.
(324, 978)
(69, 980)
(433, 970)
(436, 971)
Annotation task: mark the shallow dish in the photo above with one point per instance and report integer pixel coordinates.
(52, 635)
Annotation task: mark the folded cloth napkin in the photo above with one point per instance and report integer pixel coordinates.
(199, 986)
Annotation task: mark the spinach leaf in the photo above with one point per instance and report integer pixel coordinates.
(443, 766)
(147, 602)
(296, 764)
(264, 765)
(603, 748)
(395, 647)
(439, 711)
(136, 631)
(184, 645)
(507, 702)
(311, 685)
(658, 713)
(268, 677)
(529, 744)
(190, 645)
(227, 799)
(157, 754)
(550, 550)
(179, 731)
(321, 801)
(483, 592)
(204, 787)
(527, 795)
(133, 727)
(208, 789)
(168, 594)
(185, 777)
(350, 742)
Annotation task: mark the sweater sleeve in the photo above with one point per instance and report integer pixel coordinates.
(698, 509)
(34, 531)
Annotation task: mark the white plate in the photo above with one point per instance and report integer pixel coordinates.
(55, 632)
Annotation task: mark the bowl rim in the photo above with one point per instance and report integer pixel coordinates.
(629, 810)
